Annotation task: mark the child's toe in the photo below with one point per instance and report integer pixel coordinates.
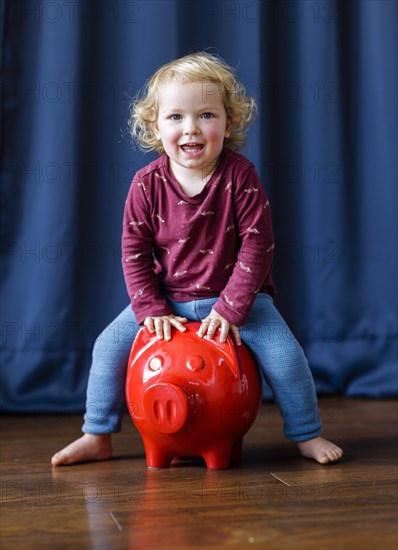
(323, 458)
(58, 459)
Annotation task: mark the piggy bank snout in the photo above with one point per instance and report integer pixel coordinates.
(165, 407)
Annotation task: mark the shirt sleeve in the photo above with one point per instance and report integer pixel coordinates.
(137, 256)
(254, 262)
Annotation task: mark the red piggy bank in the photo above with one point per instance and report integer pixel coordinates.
(191, 397)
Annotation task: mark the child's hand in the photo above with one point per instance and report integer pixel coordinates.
(162, 325)
(214, 321)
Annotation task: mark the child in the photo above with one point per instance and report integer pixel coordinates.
(197, 244)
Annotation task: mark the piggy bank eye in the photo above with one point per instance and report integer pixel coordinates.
(195, 363)
(156, 363)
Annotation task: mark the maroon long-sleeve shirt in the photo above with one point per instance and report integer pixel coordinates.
(218, 243)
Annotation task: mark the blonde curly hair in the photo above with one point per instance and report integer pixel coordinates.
(197, 67)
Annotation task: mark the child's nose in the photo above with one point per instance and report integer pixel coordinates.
(191, 127)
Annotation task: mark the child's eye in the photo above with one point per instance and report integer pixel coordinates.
(175, 117)
(207, 115)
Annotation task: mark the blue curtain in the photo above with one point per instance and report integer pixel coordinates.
(325, 144)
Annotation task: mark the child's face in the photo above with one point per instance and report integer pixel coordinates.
(192, 124)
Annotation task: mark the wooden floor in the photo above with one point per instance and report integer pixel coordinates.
(274, 500)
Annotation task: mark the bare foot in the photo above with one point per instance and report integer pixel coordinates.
(321, 450)
(86, 448)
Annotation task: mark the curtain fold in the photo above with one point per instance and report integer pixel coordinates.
(325, 143)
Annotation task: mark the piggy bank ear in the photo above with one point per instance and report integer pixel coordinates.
(229, 353)
(141, 342)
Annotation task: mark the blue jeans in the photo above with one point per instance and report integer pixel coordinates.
(280, 359)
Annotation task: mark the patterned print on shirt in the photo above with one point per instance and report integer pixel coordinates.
(207, 213)
(179, 273)
(160, 177)
(202, 287)
(229, 302)
(245, 267)
(251, 190)
(207, 251)
(271, 248)
(133, 257)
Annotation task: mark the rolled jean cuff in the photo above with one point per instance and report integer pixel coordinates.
(317, 430)
(97, 424)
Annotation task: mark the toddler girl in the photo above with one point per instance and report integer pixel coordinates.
(198, 245)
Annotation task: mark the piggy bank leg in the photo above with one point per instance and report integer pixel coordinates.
(218, 457)
(157, 457)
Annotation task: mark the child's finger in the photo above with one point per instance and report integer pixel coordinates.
(177, 322)
(181, 319)
(159, 328)
(224, 329)
(203, 328)
(213, 325)
(148, 323)
(235, 332)
(166, 329)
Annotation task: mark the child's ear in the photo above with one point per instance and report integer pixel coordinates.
(228, 128)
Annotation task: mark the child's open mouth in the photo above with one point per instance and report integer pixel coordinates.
(192, 148)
